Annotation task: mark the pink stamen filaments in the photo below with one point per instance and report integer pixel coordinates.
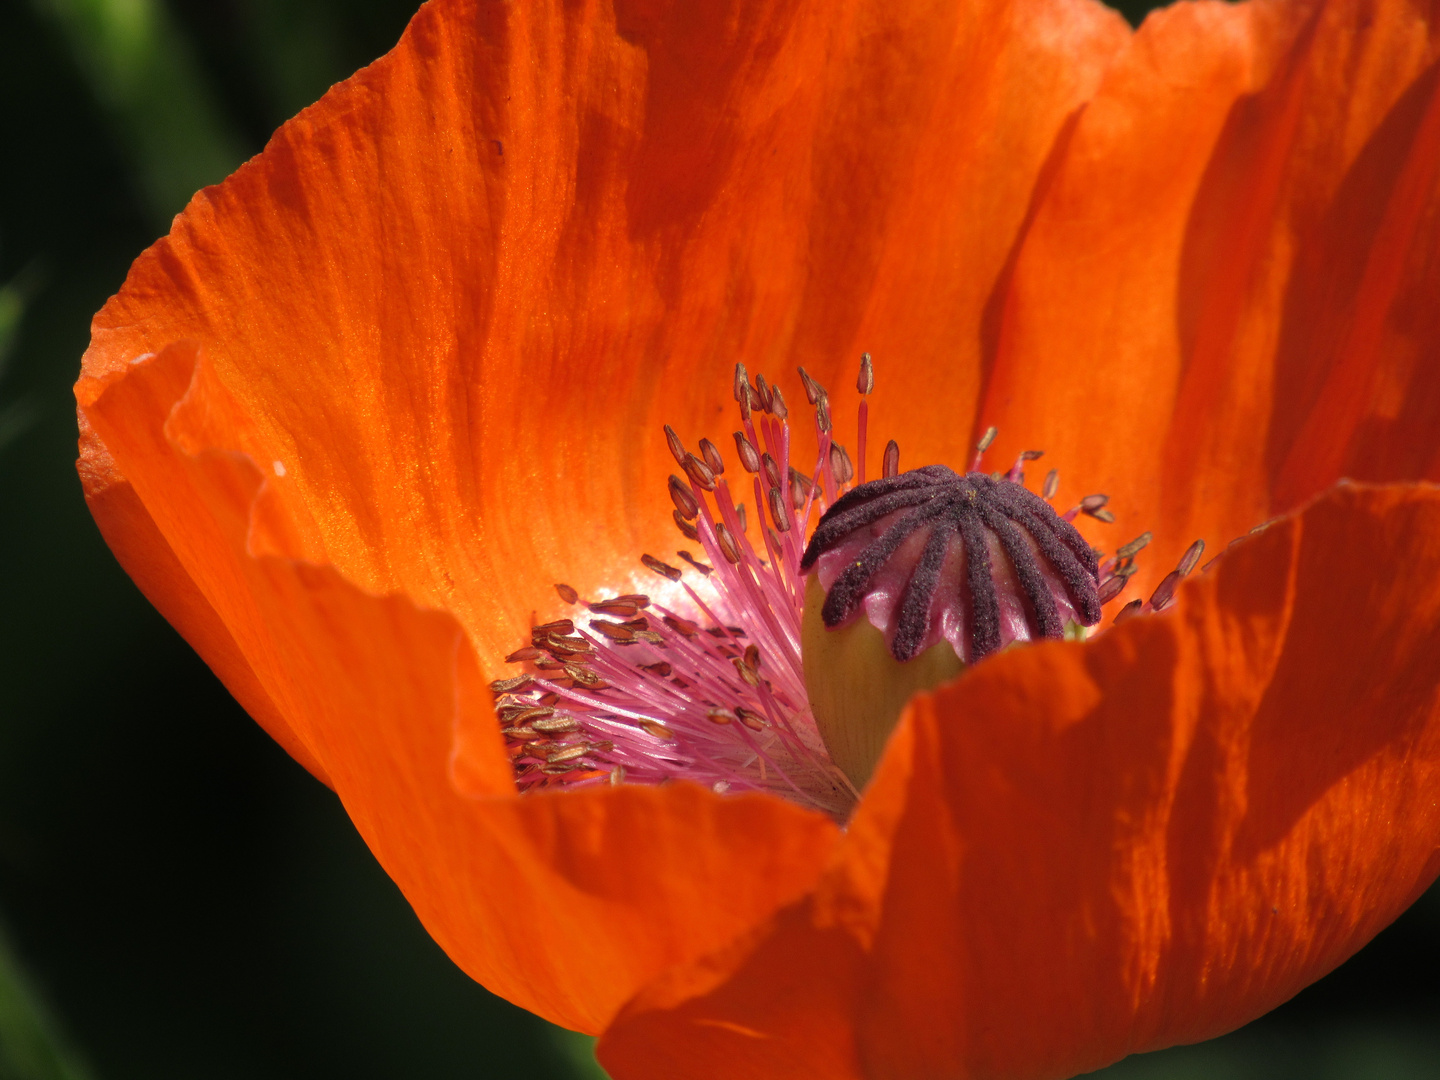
(711, 688)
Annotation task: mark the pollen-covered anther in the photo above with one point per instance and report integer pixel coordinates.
(779, 512)
(931, 555)
(1164, 594)
(705, 682)
(890, 463)
(685, 504)
(695, 564)
(665, 570)
(751, 668)
(701, 475)
(749, 457)
(728, 547)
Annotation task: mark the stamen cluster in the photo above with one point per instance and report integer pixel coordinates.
(707, 684)
(710, 687)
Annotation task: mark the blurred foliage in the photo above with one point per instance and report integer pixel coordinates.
(141, 71)
(183, 899)
(31, 1045)
(16, 415)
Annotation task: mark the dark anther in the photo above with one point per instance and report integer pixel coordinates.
(762, 391)
(813, 389)
(677, 448)
(1164, 594)
(777, 404)
(1112, 587)
(712, 457)
(952, 511)
(665, 570)
(1052, 485)
(1134, 546)
(800, 487)
(698, 472)
(690, 532)
(1190, 558)
(822, 412)
(728, 547)
(772, 470)
(890, 467)
(1094, 505)
(866, 380)
(749, 459)
(779, 512)
(695, 563)
(683, 498)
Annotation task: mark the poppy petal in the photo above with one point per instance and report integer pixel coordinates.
(563, 904)
(440, 312)
(460, 296)
(147, 557)
(1223, 303)
(1146, 840)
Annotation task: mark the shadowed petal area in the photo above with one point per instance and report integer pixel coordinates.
(1078, 852)
(460, 296)
(443, 318)
(1225, 301)
(565, 905)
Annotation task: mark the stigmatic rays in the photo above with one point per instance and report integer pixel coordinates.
(748, 670)
(930, 554)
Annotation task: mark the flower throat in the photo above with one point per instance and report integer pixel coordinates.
(719, 677)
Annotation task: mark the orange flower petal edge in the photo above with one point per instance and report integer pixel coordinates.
(565, 905)
(431, 418)
(1079, 852)
(1223, 302)
(460, 296)
(438, 315)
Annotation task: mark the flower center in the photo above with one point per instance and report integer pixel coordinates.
(749, 669)
(1012, 568)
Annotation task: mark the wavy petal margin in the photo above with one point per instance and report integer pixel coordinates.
(440, 318)
(1079, 852)
(1225, 301)
(347, 424)
(461, 295)
(566, 905)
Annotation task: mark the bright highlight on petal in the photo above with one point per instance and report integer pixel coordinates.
(1004, 904)
(756, 682)
(372, 397)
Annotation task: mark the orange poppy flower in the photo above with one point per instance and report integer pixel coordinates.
(373, 395)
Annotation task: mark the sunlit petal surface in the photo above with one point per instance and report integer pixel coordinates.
(374, 395)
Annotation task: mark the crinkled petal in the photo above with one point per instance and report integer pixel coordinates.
(1078, 852)
(443, 318)
(565, 905)
(460, 296)
(1225, 301)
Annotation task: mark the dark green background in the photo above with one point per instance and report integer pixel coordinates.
(177, 897)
